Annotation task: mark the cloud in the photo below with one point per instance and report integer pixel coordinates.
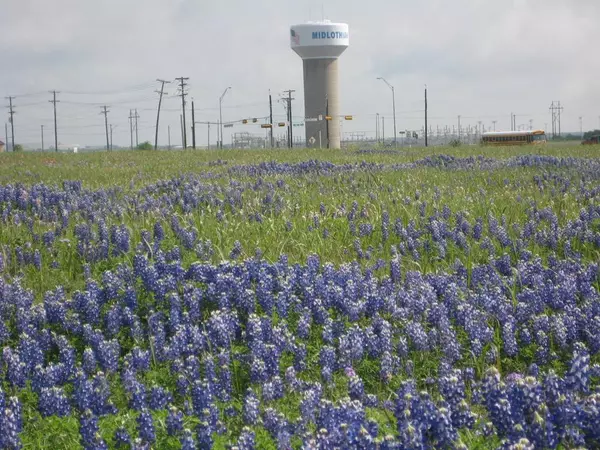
(481, 59)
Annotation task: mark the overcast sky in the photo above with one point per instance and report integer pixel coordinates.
(482, 59)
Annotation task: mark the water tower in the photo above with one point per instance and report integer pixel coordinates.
(320, 44)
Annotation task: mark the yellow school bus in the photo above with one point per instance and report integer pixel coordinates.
(528, 137)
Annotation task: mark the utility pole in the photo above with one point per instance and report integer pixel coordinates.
(208, 144)
(193, 126)
(137, 140)
(161, 92)
(494, 123)
(554, 118)
(531, 124)
(182, 86)
(131, 129)
(182, 126)
(377, 127)
(426, 116)
(394, 108)
(42, 137)
(383, 130)
(289, 99)
(169, 128)
(105, 111)
(54, 102)
(327, 121)
(221, 117)
(270, 118)
(560, 108)
(11, 111)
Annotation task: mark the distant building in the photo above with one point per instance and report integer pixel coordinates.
(1, 146)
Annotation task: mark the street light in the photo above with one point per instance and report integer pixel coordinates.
(221, 118)
(394, 105)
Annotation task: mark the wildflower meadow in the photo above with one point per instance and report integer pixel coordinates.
(441, 298)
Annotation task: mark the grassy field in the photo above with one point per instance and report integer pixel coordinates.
(274, 299)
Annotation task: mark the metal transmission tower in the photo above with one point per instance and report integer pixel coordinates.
(105, 111)
(11, 112)
(161, 92)
(559, 109)
(553, 113)
(394, 107)
(54, 102)
(183, 93)
(556, 110)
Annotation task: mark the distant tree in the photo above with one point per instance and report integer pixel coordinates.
(589, 134)
(18, 148)
(145, 146)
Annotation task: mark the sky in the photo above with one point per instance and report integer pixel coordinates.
(481, 59)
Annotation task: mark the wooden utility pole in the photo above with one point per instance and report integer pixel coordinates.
(161, 92)
(11, 111)
(137, 136)
(271, 118)
(182, 86)
(193, 126)
(426, 142)
(131, 129)
(105, 111)
(54, 102)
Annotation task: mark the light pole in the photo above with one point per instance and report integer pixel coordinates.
(394, 106)
(221, 117)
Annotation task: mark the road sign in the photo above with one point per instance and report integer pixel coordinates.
(312, 140)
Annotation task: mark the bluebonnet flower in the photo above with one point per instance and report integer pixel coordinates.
(174, 421)
(146, 427)
(121, 438)
(251, 408)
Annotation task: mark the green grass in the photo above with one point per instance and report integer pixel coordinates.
(505, 193)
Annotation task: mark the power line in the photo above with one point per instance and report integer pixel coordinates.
(135, 88)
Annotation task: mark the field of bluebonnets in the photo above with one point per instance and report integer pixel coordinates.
(272, 299)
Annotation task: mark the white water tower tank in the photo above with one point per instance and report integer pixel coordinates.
(320, 44)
